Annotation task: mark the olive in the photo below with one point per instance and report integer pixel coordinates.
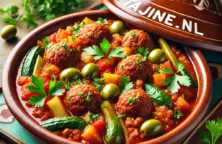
(70, 74)
(117, 27)
(90, 70)
(151, 128)
(157, 56)
(8, 32)
(110, 91)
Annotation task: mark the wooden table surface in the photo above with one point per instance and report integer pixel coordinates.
(7, 46)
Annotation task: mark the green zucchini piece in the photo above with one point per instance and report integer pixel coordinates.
(158, 95)
(114, 130)
(38, 65)
(30, 60)
(61, 123)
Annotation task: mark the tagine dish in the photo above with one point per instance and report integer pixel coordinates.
(106, 81)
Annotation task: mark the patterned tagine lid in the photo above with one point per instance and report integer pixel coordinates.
(197, 23)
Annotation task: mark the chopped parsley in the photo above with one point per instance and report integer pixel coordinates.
(143, 52)
(174, 81)
(125, 84)
(132, 99)
(80, 94)
(177, 114)
(121, 116)
(102, 21)
(98, 83)
(76, 29)
(55, 89)
(68, 98)
(104, 51)
(64, 45)
(73, 38)
(94, 117)
(133, 34)
(89, 34)
(78, 81)
(88, 99)
(68, 85)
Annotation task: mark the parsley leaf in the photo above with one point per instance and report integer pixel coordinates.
(215, 129)
(174, 81)
(133, 34)
(132, 99)
(94, 117)
(105, 45)
(88, 99)
(121, 116)
(165, 70)
(68, 85)
(125, 84)
(103, 52)
(78, 81)
(98, 83)
(102, 21)
(55, 89)
(177, 114)
(143, 51)
(117, 52)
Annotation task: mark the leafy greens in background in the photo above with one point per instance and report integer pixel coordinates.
(35, 9)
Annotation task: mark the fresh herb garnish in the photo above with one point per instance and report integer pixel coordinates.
(133, 34)
(68, 98)
(98, 83)
(34, 10)
(174, 81)
(88, 99)
(80, 94)
(215, 129)
(133, 99)
(64, 45)
(94, 117)
(102, 21)
(121, 116)
(55, 89)
(125, 84)
(76, 29)
(78, 81)
(143, 51)
(68, 85)
(103, 52)
(177, 114)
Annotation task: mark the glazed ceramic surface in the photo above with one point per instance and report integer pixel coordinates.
(196, 23)
(14, 60)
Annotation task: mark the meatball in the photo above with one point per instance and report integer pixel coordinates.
(134, 103)
(61, 55)
(135, 67)
(82, 98)
(93, 34)
(137, 38)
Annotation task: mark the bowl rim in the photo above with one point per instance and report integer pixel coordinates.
(31, 125)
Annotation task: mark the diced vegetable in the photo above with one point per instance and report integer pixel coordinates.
(74, 41)
(57, 107)
(86, 58)
(110, 78)
(158, 79)
(52, 69)
(104, 65)
(86, 21)
(172, 57)
(114, 130)
(38, 65)
(61, 123)
(158, 95)
(91, 134)
(100, 126)
(167, 64)
(182, 104)
(61, 34)
(127, 50)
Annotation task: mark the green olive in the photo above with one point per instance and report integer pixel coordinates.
(110, 91)
(90, 70)
(151, 128)
(157, 56)
(117, 27)
(70, 74)
(8, 32)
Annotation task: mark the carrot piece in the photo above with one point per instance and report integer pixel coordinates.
(110, 78)
(61, 34)
(182, 104)
(74, 41)
(158, 79)
(168, 65)
(91, 134)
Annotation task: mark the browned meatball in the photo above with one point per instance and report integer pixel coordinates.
(135, 67)
(134, 103)
(61, 55)
(137, 38)
(93, 34)
(82, 98)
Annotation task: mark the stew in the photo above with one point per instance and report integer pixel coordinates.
(105, 81)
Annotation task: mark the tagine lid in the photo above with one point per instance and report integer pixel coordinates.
(196, 23)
